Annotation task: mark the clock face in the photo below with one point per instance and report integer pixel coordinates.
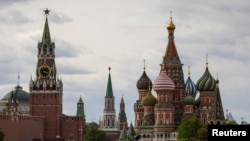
(44, 71)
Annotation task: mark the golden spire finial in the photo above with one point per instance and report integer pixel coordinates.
(109, 68)
(18, 77)
(163, 67)
(171, 24)
(206, 60)
(144, 64)
(188, 70)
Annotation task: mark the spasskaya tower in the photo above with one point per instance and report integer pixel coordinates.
(46, 89)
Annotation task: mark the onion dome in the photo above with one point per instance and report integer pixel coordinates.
(17, 94)
(144, 82)
(189, 99)
(190, 85)
(149, 99)
(170, 25)
(163, 81)
(206, 82)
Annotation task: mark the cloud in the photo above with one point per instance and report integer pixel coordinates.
(121, 34)
(15, 17)
(10, 2)
(59, 18)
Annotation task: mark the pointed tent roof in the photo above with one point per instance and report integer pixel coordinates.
(80, 110)
(80, 100)
(216, 111)
(131, 132)
(123, 135)
(171, 54)
(46, 33)
(122, 114)
(109, 91)
(122, 101)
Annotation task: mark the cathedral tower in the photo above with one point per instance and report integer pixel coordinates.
(164, 109)
(109, 118)
(109, 123)
(174, 71)
(46, 89)
(80, 108)
(206, 86)
(216, 114)
(144, 84)
(122, 116)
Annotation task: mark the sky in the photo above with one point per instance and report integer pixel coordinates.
(91, 36)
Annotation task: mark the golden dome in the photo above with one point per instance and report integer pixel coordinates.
(170, 25)
(149, 99)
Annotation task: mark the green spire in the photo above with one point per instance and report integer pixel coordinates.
(122, 114)
(131, 132)
(122, 101)
(109, 92)
(123, 135)
(46, 34)
(80, 109)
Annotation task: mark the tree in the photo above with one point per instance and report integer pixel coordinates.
(1, 135)
(188, 128)
(93, 133)
(202, 132)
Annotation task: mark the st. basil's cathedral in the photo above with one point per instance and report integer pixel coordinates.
(159, 117)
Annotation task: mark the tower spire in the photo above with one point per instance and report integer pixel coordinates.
(171, 54)
(109, 92)
(188, 70)
(122, 115)
(206, 60)
(18, 81)
(46, 34)
(144, 64)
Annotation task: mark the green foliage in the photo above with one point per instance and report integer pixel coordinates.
(188, 129)
(202, 132)
(232, 122)
(1, 135)
(93, 133)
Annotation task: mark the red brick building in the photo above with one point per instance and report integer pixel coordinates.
(45, 121)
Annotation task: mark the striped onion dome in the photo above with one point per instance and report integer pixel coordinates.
(163, 81)
(190, 85)
(206, 82)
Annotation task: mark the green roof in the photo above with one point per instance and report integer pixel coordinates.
(46, 34)
(80, 110)
(109, 91)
